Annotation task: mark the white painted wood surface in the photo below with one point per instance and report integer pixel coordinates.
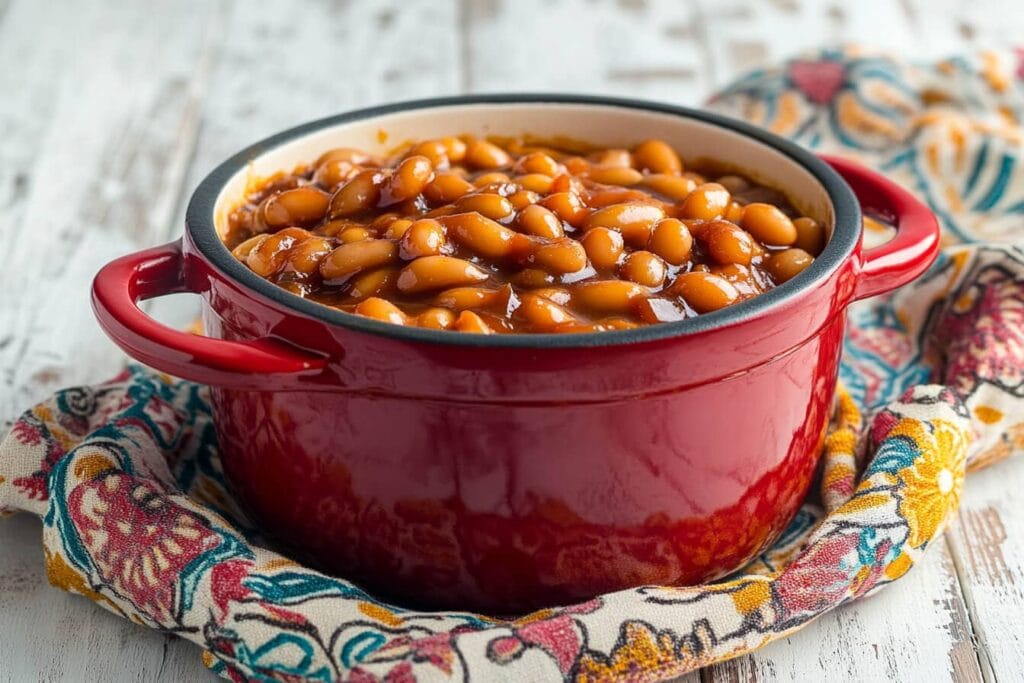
(110, 112)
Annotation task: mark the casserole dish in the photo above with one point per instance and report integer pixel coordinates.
(506, 472)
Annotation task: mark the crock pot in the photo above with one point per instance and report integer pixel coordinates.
(506, 472)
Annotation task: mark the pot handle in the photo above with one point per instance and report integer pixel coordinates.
(916, 243)
(122, 283)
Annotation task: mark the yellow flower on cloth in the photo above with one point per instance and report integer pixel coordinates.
(932, 484)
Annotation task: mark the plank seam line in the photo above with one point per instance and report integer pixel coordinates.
(981, 649)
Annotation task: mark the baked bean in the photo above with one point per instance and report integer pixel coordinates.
(634, 220)
(673, 187)
(539, 221)
(480, 234)
(671, 240)
(706, 202)
(734, 214)
(356, 256)
(604, 247)
(306, 255)
(644, 268)
(534, 182)
(657, 156)
(728, 243)
(492, 206)
(336, 226)
(576, 165)
(270, 255)
(434, 150)
(483, 181)
(430, 273)
(785, 265)
(538, 162)
(613, 157)
(532, 278)
(768, 224)
(454, 148)
(659, 310)
(354, 235)
(382, 221)
(439, 236)
(742, 277)
(567, 206)
(468, 321)
(436, 319)
(462, 298)
(409, 179)
(599, 199)
(380, 309)
(242, 251)
(376, 282)
(560, 296)
(446, 188)
(299, 206)
(358, 194)
(543, 313)
(483, 154)
(810, 235)
(522, 199)
(566, 183)
(353, 156)
(424, 237)
(608, 296)
(560, 256)
(396, 229)
(704, 292)
(615, 175)
(333, 173)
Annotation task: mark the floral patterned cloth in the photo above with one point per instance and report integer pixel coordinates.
(136, 517)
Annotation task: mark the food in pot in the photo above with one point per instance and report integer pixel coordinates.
(508, 236)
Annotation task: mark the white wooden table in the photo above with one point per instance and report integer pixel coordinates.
(110, 112)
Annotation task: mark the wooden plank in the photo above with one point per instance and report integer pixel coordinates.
(917, 629)
(94, 169)
(988, 552)
(586, 46)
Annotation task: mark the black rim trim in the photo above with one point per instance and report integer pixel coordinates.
(200, 226)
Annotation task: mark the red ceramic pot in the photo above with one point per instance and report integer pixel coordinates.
(503, 473)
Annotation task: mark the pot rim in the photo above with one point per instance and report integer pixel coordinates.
(199, 224)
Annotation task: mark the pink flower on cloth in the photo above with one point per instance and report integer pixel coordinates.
(982, 333)
(818, 578)
(819, 80)
(559, 638)
(139, 540)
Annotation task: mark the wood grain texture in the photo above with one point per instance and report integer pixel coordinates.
(112, 111)
(915, 630)
(94, 172)
(988, 550)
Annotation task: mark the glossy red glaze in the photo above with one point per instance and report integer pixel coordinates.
(505, 479)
